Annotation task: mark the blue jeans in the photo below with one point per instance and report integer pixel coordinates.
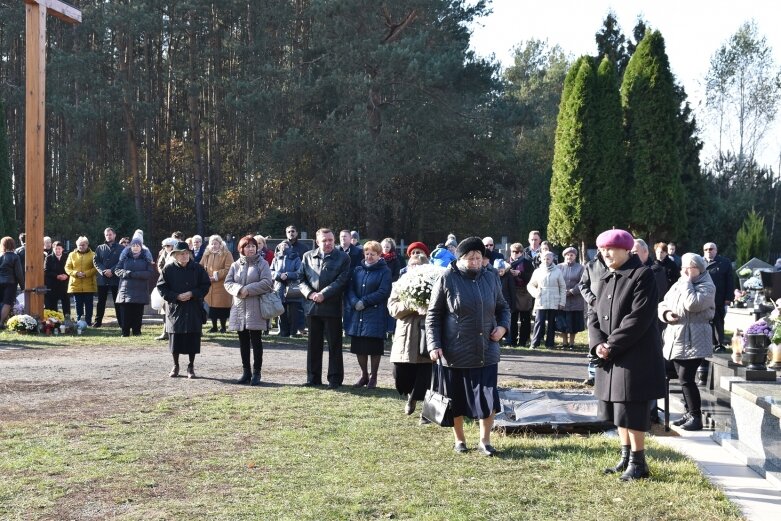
(84, 306)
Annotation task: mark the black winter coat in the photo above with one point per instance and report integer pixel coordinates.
(625, 317)
(189, 316)
(461, 315)
(106, 258)
(591, 280)
(11, 269)
(52, 267)
(326, 274)
(720, 269)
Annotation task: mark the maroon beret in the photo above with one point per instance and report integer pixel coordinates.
(616, 239)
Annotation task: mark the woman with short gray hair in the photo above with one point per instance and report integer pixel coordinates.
(687, 309)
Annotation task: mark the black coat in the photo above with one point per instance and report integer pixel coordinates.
(720, 270)
(326, 274)
(106, 258)
(12, 269)
(52, 267)
(671, 270)
(461, 315)
(591, 280)
(356, 256)
(625, 317)
(189, 316)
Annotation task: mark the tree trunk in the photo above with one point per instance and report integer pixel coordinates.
(195, 128)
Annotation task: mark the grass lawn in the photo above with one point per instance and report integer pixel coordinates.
(286, 452)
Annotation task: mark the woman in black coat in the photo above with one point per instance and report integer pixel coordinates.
(134, 272)
(56, 279)
(624, 336)
(183, 284)
(467, 316)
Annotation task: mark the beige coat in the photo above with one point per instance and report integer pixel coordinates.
(548, 288)
(220, 262)
(406, 340)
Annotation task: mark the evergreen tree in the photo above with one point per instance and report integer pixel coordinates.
(611, 43)
(7, 216)
(607, 190)
(652, 136)
(573, 156)
(751, 240)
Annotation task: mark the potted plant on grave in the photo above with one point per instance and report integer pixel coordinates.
(22, 324)
(756, 340)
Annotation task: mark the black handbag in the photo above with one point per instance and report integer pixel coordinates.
(436, 406)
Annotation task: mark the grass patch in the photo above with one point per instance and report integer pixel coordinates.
(289, 452)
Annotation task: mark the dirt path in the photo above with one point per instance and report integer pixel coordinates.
(78, 383)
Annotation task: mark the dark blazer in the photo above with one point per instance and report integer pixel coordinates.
(372, 286)
(356, 256)
(720, 269)
(189, 316)
(327, 274)
(461, 315)
(591, 280)
(106, 258)
(625, 317)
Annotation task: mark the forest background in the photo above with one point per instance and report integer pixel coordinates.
(234, 117)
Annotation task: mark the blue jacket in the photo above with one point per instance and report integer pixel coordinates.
(288, 263)
(134, 274)
(442, 257)
(372, 286)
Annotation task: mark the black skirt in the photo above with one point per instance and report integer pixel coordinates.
(629, 415)
(473, 392)
(184, 343)
(219, 313)
(570, 322)
(363, 345)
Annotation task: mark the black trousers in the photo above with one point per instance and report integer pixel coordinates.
(251, 340)
(520, 336)
(102, 297)
(132, 315)
(319, 329)
(412, 379)
(52, 298)
(718, 320)
(288, 321)
(545, 325)
(687, 373)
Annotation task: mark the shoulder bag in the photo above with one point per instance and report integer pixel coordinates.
(271, 305)
(436, 406)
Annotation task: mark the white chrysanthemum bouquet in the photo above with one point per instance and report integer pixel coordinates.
(415, 286)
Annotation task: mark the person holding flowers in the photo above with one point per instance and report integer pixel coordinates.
(466, 319)
(408, 304)
(687, 309)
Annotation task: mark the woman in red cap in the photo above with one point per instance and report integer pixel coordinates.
(418, 247)
(624, 338)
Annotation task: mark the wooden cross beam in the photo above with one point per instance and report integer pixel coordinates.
(35, 135)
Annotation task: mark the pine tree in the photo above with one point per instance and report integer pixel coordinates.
(7, 216)
(573, 156)
(652, 132)
(752, 240)
(607, 190)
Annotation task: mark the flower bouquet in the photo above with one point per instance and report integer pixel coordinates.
(744, 273)
(756, 340)
(52, 320)
(22, 324)
(415, 286)
(754, 283)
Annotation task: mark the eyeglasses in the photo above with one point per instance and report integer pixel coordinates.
(488, 245)
(707, 249)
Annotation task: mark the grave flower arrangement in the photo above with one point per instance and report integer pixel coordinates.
(22, 324)
(52, 320)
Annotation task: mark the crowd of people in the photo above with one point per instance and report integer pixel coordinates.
(640, 310)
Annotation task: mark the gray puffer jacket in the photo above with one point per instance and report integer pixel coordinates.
(254, 274)
(694, 302)
(461, 315)
(134, 274)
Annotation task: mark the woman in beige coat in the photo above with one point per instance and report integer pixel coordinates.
(217, 261)
(411, 367)
(248, 278)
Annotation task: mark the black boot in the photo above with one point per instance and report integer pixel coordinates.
(683, 419)
(694, 423)
(245, 377)
(622, 463)
(255, 376)
(637, 468)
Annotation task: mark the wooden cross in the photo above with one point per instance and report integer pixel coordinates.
(35, 134)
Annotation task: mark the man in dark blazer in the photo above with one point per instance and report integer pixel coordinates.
(323, 278)
(624, 335)
(720, 270)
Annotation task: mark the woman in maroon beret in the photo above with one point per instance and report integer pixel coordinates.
(624, 338)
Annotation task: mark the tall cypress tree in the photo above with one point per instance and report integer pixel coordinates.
(607, 189)
(7, 216)
(651, 134)
(573, 156)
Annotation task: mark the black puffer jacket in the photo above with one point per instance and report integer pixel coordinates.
(461, 315)
(189, 316)
(327, 274)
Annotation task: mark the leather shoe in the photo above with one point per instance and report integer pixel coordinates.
(332, 386)
(255, 379)
(683, 419)
(190, 371)
(362, 381)
(174, 372)
(486, 450)
(372, 383)
(409, 408)
(311, 384)
(460, 447)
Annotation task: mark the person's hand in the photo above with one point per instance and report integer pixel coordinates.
(243, 293)
(79, 274)
(497, 333)
(317, 297)
(360, 306)
(283, 276)
(422, 310)
(107, 273)
(603, 351)
(435, 355)
(63, 276)
(672, 318)
(514, 273)
(184, 297)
